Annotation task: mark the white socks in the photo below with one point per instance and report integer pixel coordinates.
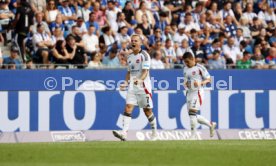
(193, 122)
(202, 120)
(126, 122)
(152, 121)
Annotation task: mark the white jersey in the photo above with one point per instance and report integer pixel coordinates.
(136, 63)
(196, 73)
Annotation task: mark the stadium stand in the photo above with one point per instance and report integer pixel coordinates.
(218, 33)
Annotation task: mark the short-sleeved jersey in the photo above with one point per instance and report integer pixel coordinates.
(136, 63)
(196, 73)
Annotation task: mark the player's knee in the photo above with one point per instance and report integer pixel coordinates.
(192, 112)
(128, 109)
(127, 114)
(147, 111)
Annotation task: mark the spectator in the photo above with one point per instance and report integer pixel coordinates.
(156, 62)
(215, 26)
(230, 27)
(163, 22)
(129, 12)
(12, 61)
(1, 58)
(145, 26)
(158, 46)
(77, 35)
(238, 10)
(272, 39)
(69, 15)
(112, 59)
(231, 52)
(84, 11)
(217, 62)
(91, 41)
(121, 21)
(184, 47)
(5, 14)
(249, 14)
(261, 37)
(92, 21)
(143, 10)
(169, 51)
(245, 28)
(95, 61)
(227, 11)
(157, 36)
(42, 43)
(77, 53)
(123, 36)
(168, 33)
(261, 14)
(197, 11)
(271, 58)
(107, 37)
(255, 28)
(51, 12)
(214, 11)
(38, 5)
(180, 35)
(98, 16)
(188, 24)
(214, 47)
(239, 37)
(81, 25)
(198, 51)
(58, 24)
(111, 15)
(257, 60)
(57, 35)
(39, 20)
(60, 53)
(23, 21)
(245, 62)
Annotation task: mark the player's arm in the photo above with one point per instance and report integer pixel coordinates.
(124, 85)
(206, 81)
(142, 76)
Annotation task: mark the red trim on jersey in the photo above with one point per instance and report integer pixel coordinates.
(146, 90)
(200, 72)
(199, 96)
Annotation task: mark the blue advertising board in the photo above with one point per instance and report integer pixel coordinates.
(50, 100)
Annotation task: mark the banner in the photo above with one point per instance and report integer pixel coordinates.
(89, 100)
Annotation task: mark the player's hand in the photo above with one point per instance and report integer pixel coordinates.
(137, 81)
(123, 86)
(197, 84)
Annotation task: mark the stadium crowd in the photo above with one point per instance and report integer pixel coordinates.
(96, 33)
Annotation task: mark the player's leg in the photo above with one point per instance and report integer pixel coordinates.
(192, 108)
(145, 102)
(131, 101)
(193, 122)
(127, 117)
(201, 119)
(122, 135)
(152, 120)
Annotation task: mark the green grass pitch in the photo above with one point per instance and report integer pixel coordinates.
(164, 153)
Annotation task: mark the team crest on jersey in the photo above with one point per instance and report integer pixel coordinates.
(193, 73)
(138, 61)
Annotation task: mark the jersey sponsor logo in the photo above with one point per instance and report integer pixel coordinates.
(146, 65)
